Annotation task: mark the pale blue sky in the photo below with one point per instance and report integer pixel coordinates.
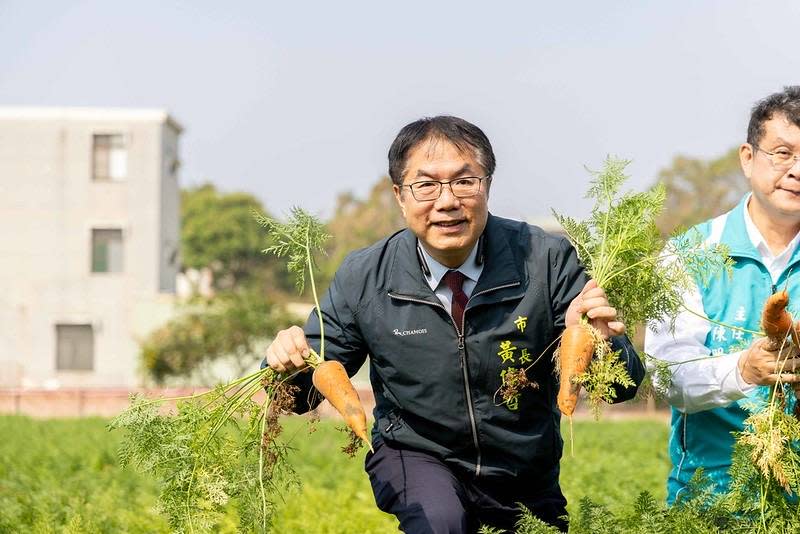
(297, 101)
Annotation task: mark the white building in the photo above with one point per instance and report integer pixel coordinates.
(89, 229)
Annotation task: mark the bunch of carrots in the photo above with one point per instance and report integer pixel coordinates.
(297, 240)
(642, 273)
(777, 324)
(204, 452)
(766, 458)
(578, 344)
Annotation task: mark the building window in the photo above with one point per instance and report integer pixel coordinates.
(110, 157)
(74, 347)
(106, 251)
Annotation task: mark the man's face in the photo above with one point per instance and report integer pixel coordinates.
(776, 192)
(447, 227)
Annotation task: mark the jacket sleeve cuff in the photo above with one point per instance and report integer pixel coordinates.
(733, 384)
(633, 364)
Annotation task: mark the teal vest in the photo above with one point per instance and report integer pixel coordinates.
(704, 439)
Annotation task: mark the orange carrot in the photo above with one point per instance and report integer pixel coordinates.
(575, 354)
(775, 320)
(777, 323)
(330, 379)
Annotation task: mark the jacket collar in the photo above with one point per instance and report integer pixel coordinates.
(735, 235)
(501, 267)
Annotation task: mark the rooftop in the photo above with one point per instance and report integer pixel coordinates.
(88, 114)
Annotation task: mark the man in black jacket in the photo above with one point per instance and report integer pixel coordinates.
(447, 309)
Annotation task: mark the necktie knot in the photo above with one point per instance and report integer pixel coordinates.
(455, 281)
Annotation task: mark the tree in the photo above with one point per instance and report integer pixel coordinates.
(218, 231)
(698, 190)
(358, 223)
(232, 325)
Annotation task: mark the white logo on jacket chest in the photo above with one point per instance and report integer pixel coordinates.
(416, 332)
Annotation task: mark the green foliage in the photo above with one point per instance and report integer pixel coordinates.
(297, 240)
(533, 525)
(217, 454)
(697, 189)
(699, 512)
(622, 249)
(230, 325)
(527, 523)
(659, 377)
(335, 496)
(358, 223)
(217, 231)
(64, 476)
(53, 473)
(605, 370)
(220, 453)
(765, 475)
(614, 461)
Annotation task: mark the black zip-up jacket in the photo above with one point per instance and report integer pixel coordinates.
(435, 387)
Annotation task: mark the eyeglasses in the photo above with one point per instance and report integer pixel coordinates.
(467, 186)
(782, 159)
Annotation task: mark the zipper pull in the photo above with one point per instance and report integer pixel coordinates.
(461, 342)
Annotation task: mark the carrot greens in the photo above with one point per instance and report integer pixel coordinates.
(217, 453)
(642, 273)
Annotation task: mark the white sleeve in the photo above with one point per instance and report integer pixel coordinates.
(706, 382)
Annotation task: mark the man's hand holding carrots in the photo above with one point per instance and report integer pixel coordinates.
(593, 303)
(288, 350)
(764, 367)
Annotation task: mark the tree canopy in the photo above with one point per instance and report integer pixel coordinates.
(232, 325)
(218, 231)
(357, 223)
(699, 189)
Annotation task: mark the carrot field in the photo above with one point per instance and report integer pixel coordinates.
(63, 476)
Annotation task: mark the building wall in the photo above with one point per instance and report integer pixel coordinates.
(169, 231)
(49, 205)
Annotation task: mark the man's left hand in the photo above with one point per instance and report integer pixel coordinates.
(593, 303)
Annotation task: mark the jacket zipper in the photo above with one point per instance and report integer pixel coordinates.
(462, 353)
(682, 442)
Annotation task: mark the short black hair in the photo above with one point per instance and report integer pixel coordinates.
(464, 135)
(786, 102)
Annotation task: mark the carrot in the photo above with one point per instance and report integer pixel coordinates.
(575, 354)
(330, 379)
(775, 320)
(777, 323)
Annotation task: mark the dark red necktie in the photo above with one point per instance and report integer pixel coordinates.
(455, 281)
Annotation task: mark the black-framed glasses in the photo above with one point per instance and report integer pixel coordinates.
(782, 159)
(467, 186)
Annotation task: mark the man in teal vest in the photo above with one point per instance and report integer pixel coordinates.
(723, 363)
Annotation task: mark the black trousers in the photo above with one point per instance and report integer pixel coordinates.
(427, 497)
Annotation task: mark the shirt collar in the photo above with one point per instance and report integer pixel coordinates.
(758, 239)
(469, 268)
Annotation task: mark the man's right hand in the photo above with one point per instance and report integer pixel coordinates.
(763, 367)
(288, 350)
